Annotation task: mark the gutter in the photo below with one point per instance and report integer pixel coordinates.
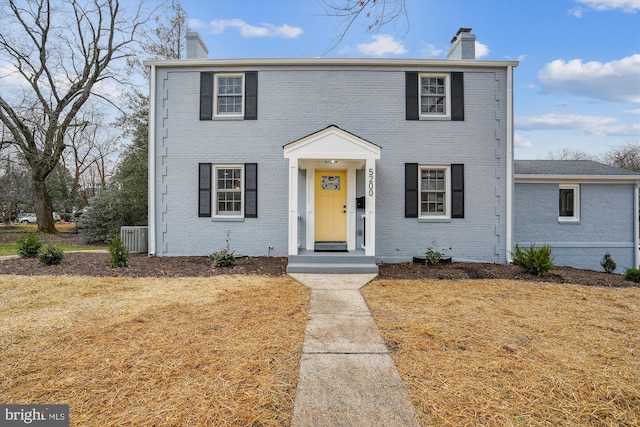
(509, 189)
(151, 203)
(366, 62)
(636, 227)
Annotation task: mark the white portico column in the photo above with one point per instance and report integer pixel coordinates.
(293, 206)
(370, 207)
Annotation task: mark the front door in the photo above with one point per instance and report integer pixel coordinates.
(331, 206)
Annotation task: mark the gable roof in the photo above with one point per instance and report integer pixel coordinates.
(570, 170)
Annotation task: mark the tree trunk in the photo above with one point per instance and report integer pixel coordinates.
(44, 208)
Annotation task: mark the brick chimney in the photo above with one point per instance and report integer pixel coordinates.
(463, 45)
(196, 49)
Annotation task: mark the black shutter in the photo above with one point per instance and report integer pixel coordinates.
(206, 96)
(457, 191)
(251, 190)
(251, 95)
(411, 95)
(204, 189)
(457, 97)
(411, 190)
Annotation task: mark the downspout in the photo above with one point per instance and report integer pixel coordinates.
(636, 227)
(509, 198)
(151, 214)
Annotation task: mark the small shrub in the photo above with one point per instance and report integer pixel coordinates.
(632, 274)
(28, 245)
(607, 263)
(534, 260)
(50, 254)
(433, 255)
(119, 254)
(224, 257)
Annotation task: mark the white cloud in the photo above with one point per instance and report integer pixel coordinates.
(627, 6)
(284, 31)
(196, 24)
(481, 50)
(383, 44)
(611, 81)
(576, 12)
(589, 125)
(633, 111)
(430, 51)
(521, 142)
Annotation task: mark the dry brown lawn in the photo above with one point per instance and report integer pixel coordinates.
(513, 353)
(120, 351)
(225, 350)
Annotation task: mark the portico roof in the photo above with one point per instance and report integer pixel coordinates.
(331, 143)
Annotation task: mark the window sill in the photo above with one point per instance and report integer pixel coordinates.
(432, 220)
(569, 221)
(228, 118)
(227, 219)
(436, 118)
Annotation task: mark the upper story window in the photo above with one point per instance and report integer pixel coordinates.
(434, 95)
(229, 96)
(569, 202)
(229, 90)
(435, 191)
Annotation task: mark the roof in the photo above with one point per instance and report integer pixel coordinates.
(534, 170)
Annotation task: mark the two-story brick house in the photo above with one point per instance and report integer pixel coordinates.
(377, 157)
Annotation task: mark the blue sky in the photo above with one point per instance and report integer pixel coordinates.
(577, 86)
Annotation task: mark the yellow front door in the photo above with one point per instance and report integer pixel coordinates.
(331, 206)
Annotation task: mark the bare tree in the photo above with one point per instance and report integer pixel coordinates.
(60, 55)
(566, 154)
(375, 13)
(89, 149)
(14, 188)
(627, 157)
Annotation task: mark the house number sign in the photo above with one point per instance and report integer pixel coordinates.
(370, 181)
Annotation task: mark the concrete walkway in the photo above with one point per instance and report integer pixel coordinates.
(347, 377)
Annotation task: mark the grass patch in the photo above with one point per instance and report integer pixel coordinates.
(12, 248)
(498, 352)
(33, 228)
(199, 351)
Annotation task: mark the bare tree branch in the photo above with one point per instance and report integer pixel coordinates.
(376, 13)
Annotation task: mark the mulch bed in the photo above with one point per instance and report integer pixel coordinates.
(96, 264)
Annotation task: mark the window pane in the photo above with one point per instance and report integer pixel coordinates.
(229, 191)
(566, 202)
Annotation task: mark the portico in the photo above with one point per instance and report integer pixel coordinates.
(331, 158)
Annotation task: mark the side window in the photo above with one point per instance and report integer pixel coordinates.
(568, 202)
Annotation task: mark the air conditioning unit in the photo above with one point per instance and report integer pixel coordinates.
(135, 239)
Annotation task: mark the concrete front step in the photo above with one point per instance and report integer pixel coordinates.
(332, 268)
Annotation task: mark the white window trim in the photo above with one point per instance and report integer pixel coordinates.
(215, 95)
(214, 195)
(447, 94)
(447, 189)
(576, 202)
